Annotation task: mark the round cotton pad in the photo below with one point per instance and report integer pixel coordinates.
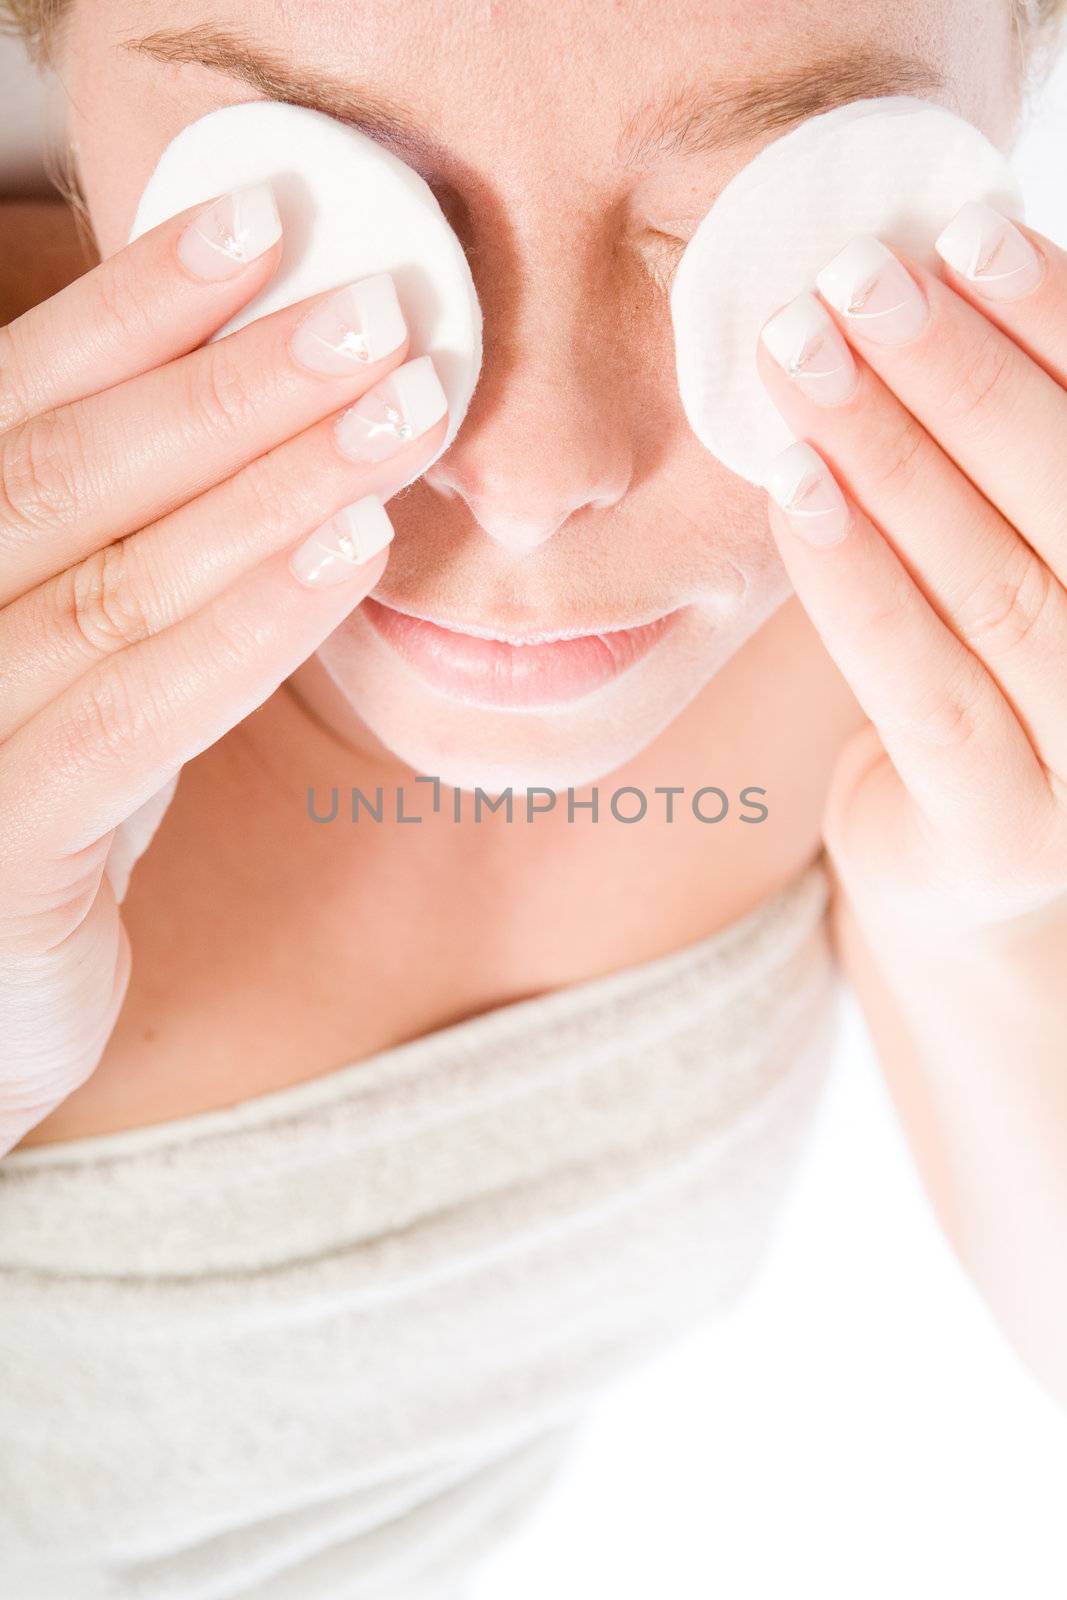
(349, 209)
(894, 166)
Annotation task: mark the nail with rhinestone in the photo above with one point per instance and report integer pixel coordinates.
(233, 230)
(399, 408)
(336, 551)
(350, 328)
(875, 292)
(987, 249)
(806, 342)
(800, 482)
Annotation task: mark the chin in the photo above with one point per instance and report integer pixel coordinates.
(557, 736)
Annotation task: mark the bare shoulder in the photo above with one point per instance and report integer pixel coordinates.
(41, 251)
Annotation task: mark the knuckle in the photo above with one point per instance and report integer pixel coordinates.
(100, 605)
(978, 379)
(43, 922)
(880, 612)
(945, 716)
(271, 501)
(1057, 782)
(41, 471)
(222, 389)
(232, 641)
(14, 391)
(1008, 607)
(108, 720)
(120, 297)
(900, 454)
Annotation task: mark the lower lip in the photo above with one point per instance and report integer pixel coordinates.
(490, 672)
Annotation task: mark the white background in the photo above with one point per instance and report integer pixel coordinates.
(857, 1428)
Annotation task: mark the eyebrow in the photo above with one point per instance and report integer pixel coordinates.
(695, 119)
(230, 54)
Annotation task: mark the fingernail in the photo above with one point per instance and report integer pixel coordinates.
(231, 232)
(805, 340)
(340, 547)
(358, 324)
(875, 291)
(395, 411)
(800, 482)
(989, 251)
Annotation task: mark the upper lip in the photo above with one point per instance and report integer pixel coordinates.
(526, 635)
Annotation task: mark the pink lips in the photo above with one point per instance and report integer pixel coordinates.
(493, 672)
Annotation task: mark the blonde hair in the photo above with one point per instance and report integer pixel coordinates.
(36, 20)
(1040, 25)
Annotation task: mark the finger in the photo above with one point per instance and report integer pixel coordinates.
(91, 757)
(1000, 415)
(1014, 276)
(981, 578)
(143, 306)
(949, 732)
(73, 480)
(136, 587)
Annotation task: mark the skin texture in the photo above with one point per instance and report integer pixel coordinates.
(570, 259)
(489, 913)
(321, 947)
(909, 694)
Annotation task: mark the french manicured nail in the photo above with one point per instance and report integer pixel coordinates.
(339, 548)
(801, 483)
(875, 291)
(805, 340)
(229, 233)
(360, 323)
(989, 251)
(395, 411)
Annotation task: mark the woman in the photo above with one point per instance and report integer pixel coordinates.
(346, 1158)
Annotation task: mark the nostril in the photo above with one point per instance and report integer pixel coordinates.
(502, 515)
(520, 516)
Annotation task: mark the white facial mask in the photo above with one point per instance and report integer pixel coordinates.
(896, 166)
(349, 209)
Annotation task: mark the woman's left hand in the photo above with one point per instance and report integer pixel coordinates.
(938, 577)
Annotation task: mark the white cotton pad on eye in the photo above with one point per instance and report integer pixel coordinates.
(894, 166)
(349, 209)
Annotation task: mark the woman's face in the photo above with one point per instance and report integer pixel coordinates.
(574, 145)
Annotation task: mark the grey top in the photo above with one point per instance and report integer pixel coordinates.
(334, 1340)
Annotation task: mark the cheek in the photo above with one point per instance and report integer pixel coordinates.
(708, 520)
(110, 185)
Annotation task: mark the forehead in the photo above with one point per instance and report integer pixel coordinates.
(560, 53)
(561, 82)
(538, 30)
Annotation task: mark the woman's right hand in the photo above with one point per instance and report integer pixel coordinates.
(181, 525)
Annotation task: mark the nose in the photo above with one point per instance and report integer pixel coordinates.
(547, 433)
